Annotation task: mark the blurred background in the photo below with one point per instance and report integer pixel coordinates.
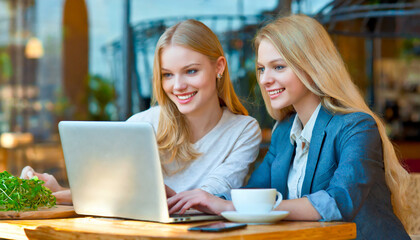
(92, 60)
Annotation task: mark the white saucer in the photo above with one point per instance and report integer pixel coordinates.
(269, 217)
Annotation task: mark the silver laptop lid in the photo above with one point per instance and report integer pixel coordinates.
(114, 169)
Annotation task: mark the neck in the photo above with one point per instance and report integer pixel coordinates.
(306, 107)
(201, 123)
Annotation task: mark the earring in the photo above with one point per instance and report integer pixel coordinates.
(219, 76)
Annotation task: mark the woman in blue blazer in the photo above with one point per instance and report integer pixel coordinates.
(329, 155)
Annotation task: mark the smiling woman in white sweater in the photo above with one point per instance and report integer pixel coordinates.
(206, 138)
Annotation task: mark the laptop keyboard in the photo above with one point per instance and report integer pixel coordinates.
(190, 213)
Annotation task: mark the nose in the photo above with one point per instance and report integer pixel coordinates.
(266, 79)
(179, 84)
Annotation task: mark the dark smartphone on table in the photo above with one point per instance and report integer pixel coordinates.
(218, 227)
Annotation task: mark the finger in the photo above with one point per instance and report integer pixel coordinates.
(172, 201)
(177, 197)
(25, 171)
(188, 205)
(188, 201)
(63, 197)
(204, 209)
(184, 196)
(41, 176)
(177, 206)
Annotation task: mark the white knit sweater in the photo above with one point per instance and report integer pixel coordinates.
(227, 151)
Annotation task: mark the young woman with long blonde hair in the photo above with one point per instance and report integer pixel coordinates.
(329, 155)
(204, 134)
(206, 138)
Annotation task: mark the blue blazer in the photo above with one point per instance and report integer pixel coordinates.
(345, 160)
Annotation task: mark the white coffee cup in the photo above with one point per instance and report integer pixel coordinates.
(253, 200)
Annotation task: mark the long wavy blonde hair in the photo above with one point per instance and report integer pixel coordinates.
(173, 134)
(307, 48)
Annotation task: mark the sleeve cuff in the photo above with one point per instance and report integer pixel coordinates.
(325, 205)
(225, 196)
(207, 189)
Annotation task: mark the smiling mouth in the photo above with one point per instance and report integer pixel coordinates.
(185, 97)
(273, 92)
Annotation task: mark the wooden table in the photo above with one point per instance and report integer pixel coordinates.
(110, 229)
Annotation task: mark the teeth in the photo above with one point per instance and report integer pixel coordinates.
(185, 96)
(275, 91)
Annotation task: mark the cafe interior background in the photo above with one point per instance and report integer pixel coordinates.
(93, 59)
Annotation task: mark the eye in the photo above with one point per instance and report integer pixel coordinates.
(191, 71)
(167, 75)
(278, 67)
(260, 70)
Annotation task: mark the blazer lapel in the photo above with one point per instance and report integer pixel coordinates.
(281, 164)
(318, 136)
(280, 168)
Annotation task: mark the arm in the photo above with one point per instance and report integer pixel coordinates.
(233, 170)
(299, 209)
(50, 181)
(359, 152)
(206, 202)
(200, 200)
(261, 177)
(360, 164)
(229, 174)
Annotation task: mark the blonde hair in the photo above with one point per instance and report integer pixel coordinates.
(307, 48)
(173, 134)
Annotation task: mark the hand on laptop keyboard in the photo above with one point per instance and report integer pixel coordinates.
(198, 199)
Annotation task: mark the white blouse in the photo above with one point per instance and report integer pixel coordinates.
(302, 138)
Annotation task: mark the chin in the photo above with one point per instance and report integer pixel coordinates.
(278, 106)
(185, 110)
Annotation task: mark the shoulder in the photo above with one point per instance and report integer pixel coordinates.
(239, 120)
(356, 120)
(357, 127)
(283, 127)
(239, 127)
(150, 115)
(146, 115)
(281, 133)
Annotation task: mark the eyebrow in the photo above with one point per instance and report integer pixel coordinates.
(185, 67)
(275, 60)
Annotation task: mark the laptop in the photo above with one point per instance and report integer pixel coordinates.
(114, 170)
